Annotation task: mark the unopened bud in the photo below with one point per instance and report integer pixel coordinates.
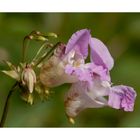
(52, 35)
(41, 38)
(28, 78)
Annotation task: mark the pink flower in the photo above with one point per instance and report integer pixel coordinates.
(94, 82)
(91, 81)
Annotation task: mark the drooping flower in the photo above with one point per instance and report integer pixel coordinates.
(91, 81)
(94, 83)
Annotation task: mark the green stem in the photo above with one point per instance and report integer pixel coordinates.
(47, 54)
(25, 45)
(39, 51)
(5, 111)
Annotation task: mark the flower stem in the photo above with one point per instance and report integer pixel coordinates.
(41, 48)
(25, 46)
(48, 53)
(5, 111)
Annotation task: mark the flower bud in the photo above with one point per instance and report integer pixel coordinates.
(52, 35)
(28, 78)
(41, 38)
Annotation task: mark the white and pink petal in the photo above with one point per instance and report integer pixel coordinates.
(122, 97)
(77, 99)
(100, 55)
(79, 42)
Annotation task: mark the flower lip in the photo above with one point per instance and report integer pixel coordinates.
(122, 97)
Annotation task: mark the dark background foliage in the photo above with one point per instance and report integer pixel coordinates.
(119, 31)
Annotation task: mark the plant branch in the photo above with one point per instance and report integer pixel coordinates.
(5, 111)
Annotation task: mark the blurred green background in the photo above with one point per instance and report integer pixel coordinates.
(119, 31)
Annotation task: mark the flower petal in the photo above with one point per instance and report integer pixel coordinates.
(98, 89)
(122, 97)
(100, 54)
(88, 72)
(83, 74)
(77, 99)
(79, 41)
(99, 71)
(52, 73)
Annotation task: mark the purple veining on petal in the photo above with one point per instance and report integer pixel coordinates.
(100, 54)
(122, 97)
(98, 71)
(88, 72)
(81, 73)
(79, 42)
